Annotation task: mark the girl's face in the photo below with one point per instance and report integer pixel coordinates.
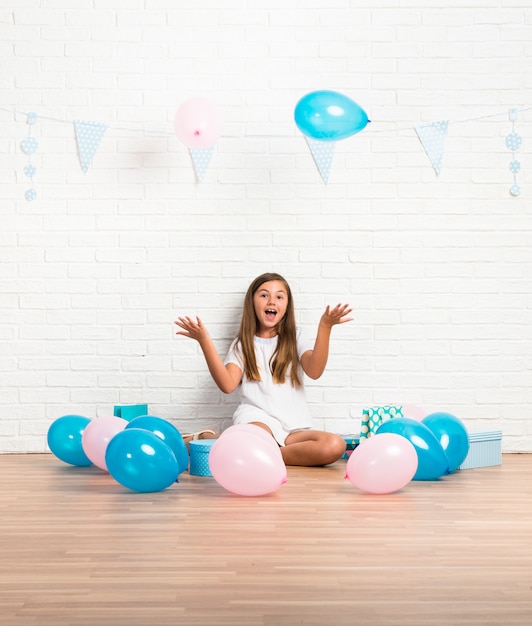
(270, 302)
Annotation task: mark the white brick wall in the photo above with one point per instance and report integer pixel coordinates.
(93, 272)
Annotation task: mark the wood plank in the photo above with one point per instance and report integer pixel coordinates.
(78, 550)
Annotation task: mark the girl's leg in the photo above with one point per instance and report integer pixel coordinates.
(312, 448)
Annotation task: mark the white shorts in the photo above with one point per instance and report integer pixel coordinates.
(246, 414)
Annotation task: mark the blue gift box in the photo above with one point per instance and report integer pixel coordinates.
(199, 456)
(130, 411)
(484, 450)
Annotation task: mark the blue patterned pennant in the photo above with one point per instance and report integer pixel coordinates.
(89, 136)
(432, 137)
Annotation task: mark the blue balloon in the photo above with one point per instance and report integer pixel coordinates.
(432, 462)
(329, 116)
(141, 461)
(64, 439)
(451, 434)
(168, 433)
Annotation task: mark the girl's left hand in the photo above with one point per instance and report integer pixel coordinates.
(337, 315)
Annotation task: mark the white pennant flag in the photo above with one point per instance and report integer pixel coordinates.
(432, 137)
(322, 153)
(200, 160)
(88, 135)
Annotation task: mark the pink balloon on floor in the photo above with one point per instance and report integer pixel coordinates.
(252, 429)
(97, 435)
(414, 412)
(382, 464)
(247, 464)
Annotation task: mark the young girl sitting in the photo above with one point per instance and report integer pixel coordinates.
(268, 359)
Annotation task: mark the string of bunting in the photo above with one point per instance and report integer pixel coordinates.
(323, 118)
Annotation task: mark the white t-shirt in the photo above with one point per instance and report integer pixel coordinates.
(283, 408)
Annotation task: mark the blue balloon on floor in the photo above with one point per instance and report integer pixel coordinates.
(432, 462)
(140, 460)
(168, 433)
(329, 116)
(451, 434)
(64, 439)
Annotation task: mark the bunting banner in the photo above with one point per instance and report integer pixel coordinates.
(513, 142)
(432, 137)
(89, 136)
(200, 160)
(322, 153)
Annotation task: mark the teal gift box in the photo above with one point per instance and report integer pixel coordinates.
(484, 450)
(199, 456)
(351, 442)
(130, 411)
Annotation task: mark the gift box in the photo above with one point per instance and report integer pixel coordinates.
(130, 411)
(374, 416)
(199, 456)
(351, 442)
(484, 450)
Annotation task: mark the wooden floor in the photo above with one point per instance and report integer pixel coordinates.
(77, 549)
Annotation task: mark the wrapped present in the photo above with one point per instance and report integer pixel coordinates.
(374, 416)
(484, 450)
(129, 411)
(199, 456)
(351, 442)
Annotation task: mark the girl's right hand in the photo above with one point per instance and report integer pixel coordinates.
(191, 328)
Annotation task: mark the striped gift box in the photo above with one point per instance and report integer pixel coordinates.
(484, 450)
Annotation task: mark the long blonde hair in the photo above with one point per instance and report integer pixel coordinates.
(284, 360)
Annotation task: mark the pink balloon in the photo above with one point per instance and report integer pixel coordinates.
(414, 412)
(254, 430)
(247, 464)
(382, 464)
(97, 435)
(198, 123)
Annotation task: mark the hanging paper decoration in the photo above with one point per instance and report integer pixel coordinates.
(513, 143)
(198, 124)
(201, 160)
(89, 136)
(29, 146)
(432, 137)
(322, 153)
(325, 117)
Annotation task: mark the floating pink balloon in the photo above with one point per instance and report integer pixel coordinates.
(382, 464)
(198, 123)
(247, 464)
(97, 435)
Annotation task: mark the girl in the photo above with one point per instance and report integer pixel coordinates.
(268, 359)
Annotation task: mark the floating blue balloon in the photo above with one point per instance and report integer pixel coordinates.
(432, 462)
(141, 461)
(168, 433)
(64, 439)
(329, 116)
(451, 434)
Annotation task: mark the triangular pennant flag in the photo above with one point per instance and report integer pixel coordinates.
(432, 137)
(89, 135)
(201, 159)
(322, 153)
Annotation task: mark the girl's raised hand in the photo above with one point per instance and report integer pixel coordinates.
(337, 315)
(191, 328)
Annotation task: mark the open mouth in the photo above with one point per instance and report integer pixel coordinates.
(270, 314)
